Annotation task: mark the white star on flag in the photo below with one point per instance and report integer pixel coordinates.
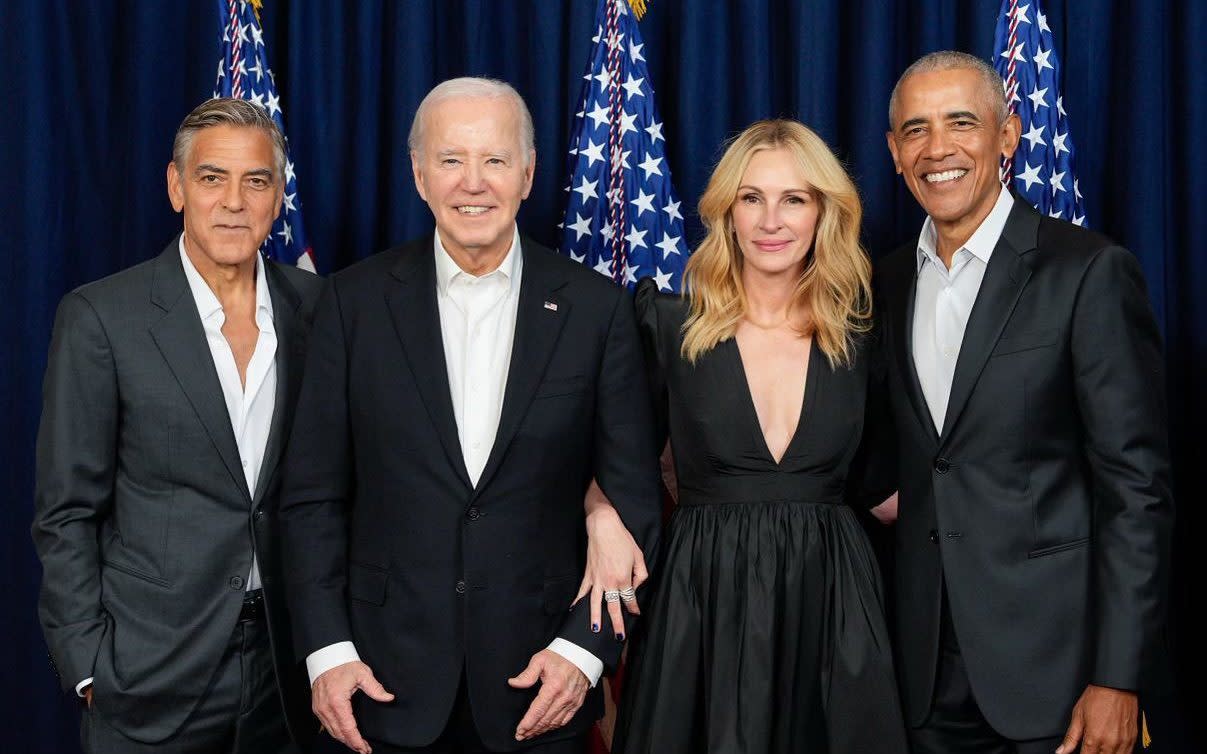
(582, 227)
(1035, 135)
(668, 244)
(644, 202)
(650, 166)
(586, 189)
(1030, 175)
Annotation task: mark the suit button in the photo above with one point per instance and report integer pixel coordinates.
(259, 514)
(942, 465)
(473, 513)
(934, 536)
(236, 582)
(460, 587)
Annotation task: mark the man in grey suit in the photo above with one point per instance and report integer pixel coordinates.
(167, 402)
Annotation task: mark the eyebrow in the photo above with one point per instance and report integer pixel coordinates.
(954, 115)
(208, 168)
(793, 190)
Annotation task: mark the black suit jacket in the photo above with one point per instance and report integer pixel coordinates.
(389, 545)
(1045, 504)
(144, 522)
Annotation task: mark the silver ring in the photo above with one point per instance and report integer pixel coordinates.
(612, 595)
(628, 594)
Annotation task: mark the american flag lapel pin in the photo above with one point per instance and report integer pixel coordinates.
(551, 306)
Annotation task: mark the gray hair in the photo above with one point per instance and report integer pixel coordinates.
(992, 86)
(474, 87)
(228, 111)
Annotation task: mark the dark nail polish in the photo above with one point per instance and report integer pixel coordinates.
(619, 637)
(595, 628)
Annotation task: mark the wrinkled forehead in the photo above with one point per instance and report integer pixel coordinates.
(473, 122)
(943, 94)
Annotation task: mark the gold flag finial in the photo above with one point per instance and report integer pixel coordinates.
(638, 7)
(256, 6)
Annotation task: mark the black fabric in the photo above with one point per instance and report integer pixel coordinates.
(238, 713)
(955, 722)
(766, 630)
(389, 546)
(1045, 504)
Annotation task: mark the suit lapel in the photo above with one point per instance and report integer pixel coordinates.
(412, 304)
(181, 340)
(539, 320)
(285, 303)
(1005, 277)
(903, 325)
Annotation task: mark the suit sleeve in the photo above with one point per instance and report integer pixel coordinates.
(1119, 383)
(316, 487)
(626, 465)
(76, 466)
(873, 472)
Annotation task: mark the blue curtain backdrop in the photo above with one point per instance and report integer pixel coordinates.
(93, 93)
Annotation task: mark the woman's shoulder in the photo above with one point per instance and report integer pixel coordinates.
(658, 307)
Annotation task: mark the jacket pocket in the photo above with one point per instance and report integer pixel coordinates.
(367, 583)
(1025, 341)
(1059, 548)
(559, 593)
(565, 386)
(138, 574)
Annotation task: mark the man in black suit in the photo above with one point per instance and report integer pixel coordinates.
(460, 393)
(1025, 376)
(167, 402)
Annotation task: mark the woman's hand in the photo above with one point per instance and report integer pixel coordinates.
(614, 561)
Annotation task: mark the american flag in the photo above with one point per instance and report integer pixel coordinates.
(1042, 167)
(243, 73)
(622, 216)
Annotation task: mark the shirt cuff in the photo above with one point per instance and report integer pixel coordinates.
(79, 687)
(322, 660)
(591, 665)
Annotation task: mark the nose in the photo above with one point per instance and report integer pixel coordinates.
(938, 144)
(770, 221)
(232, 197)
(471, 177)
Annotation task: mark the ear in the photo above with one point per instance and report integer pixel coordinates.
(280, 200)
(892, 148)
(529, 172)
(1012, 130)
(175, 187)
(417, 174)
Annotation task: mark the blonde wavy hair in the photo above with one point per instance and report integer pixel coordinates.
(835, 287)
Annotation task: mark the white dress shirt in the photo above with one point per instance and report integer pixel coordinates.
(249, 408)
(477, 328)
(944, 300)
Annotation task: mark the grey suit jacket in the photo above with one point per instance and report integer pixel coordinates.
(144, 523)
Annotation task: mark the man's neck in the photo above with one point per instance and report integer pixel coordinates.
(477, 262)
(231, 283)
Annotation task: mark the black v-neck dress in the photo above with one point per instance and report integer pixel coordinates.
(765, 632)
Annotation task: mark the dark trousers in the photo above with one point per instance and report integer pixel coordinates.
(460, 736)
(955, 723)
(241, 712)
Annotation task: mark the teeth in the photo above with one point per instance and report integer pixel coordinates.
(946, 175)
(472, 210)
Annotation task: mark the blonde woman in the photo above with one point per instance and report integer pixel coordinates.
(765, 631)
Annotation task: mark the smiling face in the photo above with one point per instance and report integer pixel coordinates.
(774, 214)
(473, 171)
(228, 193)
(947, 143)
